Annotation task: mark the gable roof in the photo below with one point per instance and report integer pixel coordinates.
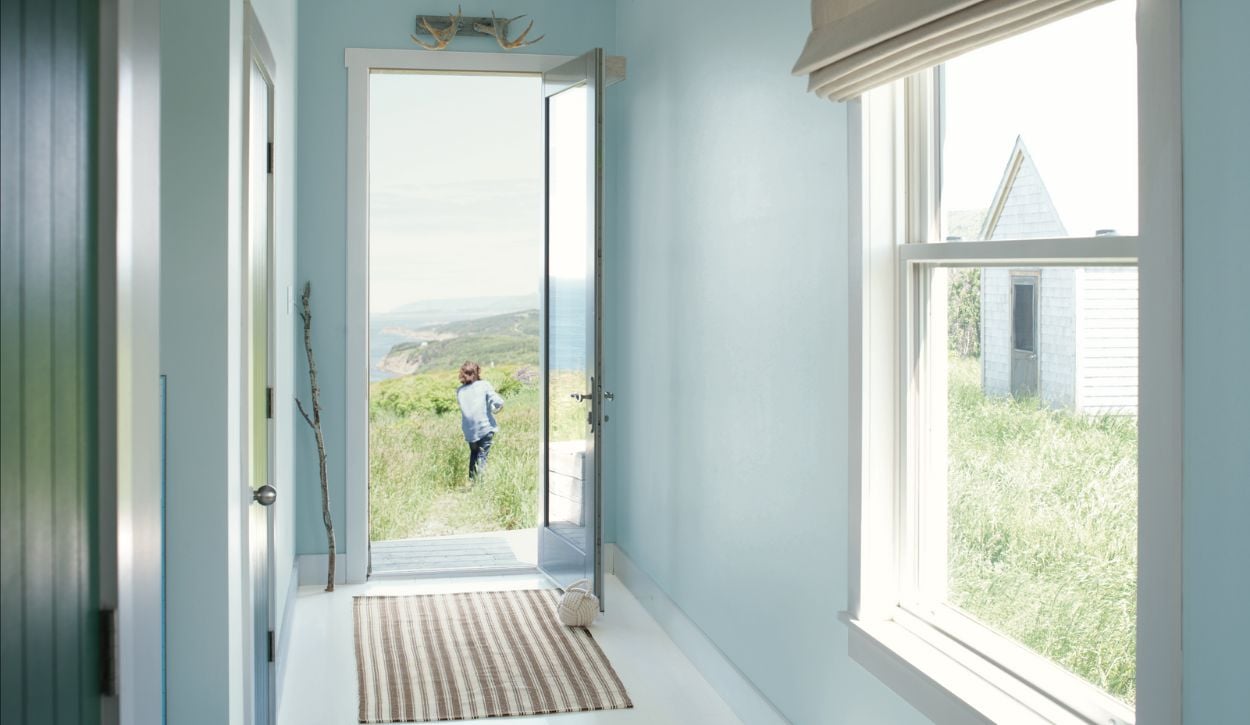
(1022, 208)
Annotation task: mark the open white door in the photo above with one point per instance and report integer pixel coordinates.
(570, 535)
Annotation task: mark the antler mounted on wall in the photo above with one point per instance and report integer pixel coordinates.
(442, 36)
(499, 29)
(443, 28)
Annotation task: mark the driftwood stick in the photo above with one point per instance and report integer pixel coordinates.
(314, 422)
(299, 404)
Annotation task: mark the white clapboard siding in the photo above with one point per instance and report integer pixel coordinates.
(996, 331)
(1056, 346)
(1107, 340)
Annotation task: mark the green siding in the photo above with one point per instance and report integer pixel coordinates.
(48, 670)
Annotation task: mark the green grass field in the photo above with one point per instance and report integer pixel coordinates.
(1042, 503)
(1043, 528)
(419, 461)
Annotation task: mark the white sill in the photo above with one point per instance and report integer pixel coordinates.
(948, 686)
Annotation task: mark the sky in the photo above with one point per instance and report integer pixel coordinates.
(455, 161)
(1076, 110)
(455, 187)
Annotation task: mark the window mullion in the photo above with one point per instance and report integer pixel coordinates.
(1076, 251)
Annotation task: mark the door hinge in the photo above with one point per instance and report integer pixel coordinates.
(271, 653)
(269, 403)
(108, 652)
(269, 158)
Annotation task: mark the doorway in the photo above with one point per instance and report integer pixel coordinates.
(576, 213)
(455, 184)
(1024, 288)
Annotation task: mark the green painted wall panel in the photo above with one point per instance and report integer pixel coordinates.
(48, 668)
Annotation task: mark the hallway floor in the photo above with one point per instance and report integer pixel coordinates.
(320, 687)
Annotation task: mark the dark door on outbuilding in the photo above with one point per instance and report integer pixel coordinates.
(50, 669)
(1024, 289)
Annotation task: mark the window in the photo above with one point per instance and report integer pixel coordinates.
(997, 510)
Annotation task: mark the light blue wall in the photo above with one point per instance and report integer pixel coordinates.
(1216, 111)
(326, 28)
(727, 296)
(195, 311)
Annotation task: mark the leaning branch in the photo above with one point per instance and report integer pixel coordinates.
(314, 422)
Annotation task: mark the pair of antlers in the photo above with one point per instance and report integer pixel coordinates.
(497, 27)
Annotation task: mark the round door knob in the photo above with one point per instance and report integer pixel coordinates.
(265, 495)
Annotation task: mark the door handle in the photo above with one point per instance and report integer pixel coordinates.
(579, 397)
(265, 495)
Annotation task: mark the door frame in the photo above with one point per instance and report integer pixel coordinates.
(1035, 281)
(556, 551)
(131, 516)
(360, 62)
(257, 51)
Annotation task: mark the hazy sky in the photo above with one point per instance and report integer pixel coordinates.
(455, 161)
(455, 187)
(1082, 136)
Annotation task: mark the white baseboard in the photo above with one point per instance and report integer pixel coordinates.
(312, 568)
(284, 634)
(736, 689)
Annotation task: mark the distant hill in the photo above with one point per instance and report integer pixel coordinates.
(447, 310)
(507, 339)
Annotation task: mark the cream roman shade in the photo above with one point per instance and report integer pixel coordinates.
(856, 45)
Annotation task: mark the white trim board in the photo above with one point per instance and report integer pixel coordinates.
(284, 634)
(360, 62)
(735, 688)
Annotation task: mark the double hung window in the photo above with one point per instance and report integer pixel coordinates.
(999, 365)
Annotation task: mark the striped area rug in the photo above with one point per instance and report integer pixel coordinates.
(477, 654)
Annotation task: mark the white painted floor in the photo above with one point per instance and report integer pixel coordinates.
(320, 687)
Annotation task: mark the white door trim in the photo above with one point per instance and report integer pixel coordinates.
(360, 62)
(131, 516)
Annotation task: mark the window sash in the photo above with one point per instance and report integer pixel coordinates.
(920, 509)
(1034, 680)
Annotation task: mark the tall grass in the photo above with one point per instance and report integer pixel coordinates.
(419, 461)
(1043, 528)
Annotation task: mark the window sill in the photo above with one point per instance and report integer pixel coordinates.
(945, 682)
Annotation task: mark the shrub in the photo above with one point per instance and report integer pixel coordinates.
(964, 311)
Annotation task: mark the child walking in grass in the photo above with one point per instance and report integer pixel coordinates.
(478, 404)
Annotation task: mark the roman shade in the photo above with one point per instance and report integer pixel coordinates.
(856, 45)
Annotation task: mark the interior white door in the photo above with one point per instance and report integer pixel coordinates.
(570, 536)
(259, 400)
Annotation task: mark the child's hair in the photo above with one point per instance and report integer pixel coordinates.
(470, 372)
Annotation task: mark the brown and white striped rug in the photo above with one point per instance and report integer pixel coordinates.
(476, 654)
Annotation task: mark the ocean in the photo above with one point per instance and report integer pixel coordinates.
(567, 326)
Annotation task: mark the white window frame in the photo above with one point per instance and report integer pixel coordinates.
(950, 668)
